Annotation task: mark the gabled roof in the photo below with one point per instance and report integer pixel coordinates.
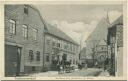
(54, 30)
(58, 33)
(119, 20)
(100, 31)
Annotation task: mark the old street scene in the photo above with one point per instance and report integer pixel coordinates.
(63, 40)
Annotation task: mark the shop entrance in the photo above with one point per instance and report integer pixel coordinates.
(12, 60)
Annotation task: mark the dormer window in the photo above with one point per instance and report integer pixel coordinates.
(26, 9)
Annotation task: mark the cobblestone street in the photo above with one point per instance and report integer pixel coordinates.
(76, 73)
(104, 73)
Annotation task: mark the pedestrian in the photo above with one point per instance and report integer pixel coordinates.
(86, 66)
(60, 69)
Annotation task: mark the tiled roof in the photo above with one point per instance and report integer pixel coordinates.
(119, 20)
(58, 33)
(54, 30)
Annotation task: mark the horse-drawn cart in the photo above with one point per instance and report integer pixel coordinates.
(68, 69)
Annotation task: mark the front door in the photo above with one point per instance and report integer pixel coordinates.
(12, 60)
(54, 62)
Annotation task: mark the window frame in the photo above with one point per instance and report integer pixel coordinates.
(38, 56)
(31, 55)
(35, 33)
(58, 45)
(48, 41)
(26, 9)
(47, 58)
(25, 31)
(12, 26)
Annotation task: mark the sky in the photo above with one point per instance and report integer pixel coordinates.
(78, 21)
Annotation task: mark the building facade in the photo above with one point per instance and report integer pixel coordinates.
(23, 40)
(59, 47)
(81, 55)
(99, 33)
(101, 53)
(115, 41)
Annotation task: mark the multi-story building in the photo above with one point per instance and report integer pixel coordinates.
(101, 53)
(99, 33)
(115, 41)
(23, 39)
(58, 47)
(82, 52)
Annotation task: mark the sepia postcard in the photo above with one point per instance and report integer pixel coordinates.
(63, 40)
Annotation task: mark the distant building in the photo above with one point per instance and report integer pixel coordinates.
(58, 47)
(101, 53)
(82, 55)
(23, 40)
(115, 41)
(99, 33)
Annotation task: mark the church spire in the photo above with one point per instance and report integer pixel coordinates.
(108, 18)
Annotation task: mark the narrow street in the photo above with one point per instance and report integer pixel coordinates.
(43, 41)
(76, 73)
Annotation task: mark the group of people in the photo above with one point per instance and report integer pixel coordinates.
(82, 65)
(63, 66)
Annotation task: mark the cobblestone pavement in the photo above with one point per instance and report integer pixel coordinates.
(104, 74)
(76, 73)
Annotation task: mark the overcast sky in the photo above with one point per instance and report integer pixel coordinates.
(78, 20)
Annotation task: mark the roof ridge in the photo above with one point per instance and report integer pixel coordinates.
(66, 37)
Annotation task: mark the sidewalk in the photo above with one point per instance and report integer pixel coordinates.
(76, 73)
(44, 74)
(90, 72)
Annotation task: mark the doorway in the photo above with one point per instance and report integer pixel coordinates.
(12, 60)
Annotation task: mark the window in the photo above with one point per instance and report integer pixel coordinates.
(68, 46)
(65, 46)
(35, 31)
(25, 30)
(61, 44)
(70, 61)
(12, 27)
(26, 9)
(31, 56)
(74, 48)
(33, 68)
(53, 43)
(38, 56)
(71, 47)
(64, 57)
(47, 58)
(74, 61)
(58, 44)
(102, 48)
(48, 41)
